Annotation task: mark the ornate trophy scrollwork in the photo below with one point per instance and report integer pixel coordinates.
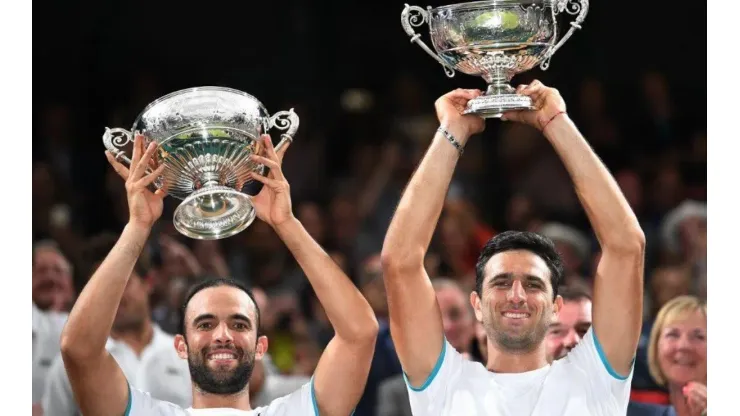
(284, 120)
(415, 16)
(115, 139)
(572, 7)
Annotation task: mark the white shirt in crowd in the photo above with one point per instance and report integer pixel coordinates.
(170, 380)
(580, 384)
(301, 402)
(47, 331)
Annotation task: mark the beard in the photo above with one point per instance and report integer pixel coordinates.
(523, 340)
(221, 381)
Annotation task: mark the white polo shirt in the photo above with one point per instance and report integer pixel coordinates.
(301, 402)
(59, 398)
(46, 333)
(580, 384)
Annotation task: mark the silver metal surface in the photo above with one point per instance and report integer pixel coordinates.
(495, 40)
(206, 136)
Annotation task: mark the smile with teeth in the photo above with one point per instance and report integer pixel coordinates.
(516, 315)
(222, 356)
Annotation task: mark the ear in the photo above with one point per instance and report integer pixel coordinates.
(261, 347)
(557, 305)
(181, 347)
(475, 302)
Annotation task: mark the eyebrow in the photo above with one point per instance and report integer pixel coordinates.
(511, 276)
(235, 317)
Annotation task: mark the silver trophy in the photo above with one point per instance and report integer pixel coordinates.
(206, 136)
(495, 40)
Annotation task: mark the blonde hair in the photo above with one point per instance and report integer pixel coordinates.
(676, 309)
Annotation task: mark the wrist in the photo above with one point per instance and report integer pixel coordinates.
(286, 226)
(460, 133)
(555, 123)
(137, 227)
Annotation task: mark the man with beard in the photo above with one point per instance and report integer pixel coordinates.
(133, 342)
(517, 278)
(571, 323)
(219, 335)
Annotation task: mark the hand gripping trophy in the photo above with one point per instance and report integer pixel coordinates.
(205, 138)
(496, 40)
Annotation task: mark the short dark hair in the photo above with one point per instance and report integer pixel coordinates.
(521, 240)
(98, 248)
(216, 282)
(574, 293)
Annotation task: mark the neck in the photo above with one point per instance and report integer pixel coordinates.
(503, 361)
(138, 338)
(678, 401)
(205, 400)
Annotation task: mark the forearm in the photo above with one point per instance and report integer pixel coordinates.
(611, 217)
(348, 311)
(91, 318)
(417, 214)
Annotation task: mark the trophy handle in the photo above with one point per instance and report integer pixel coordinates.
(573, 7)
(116, 138)
(284, 120)
(415, 16)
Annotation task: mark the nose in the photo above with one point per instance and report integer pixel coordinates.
(684, 343)
(516, 294)
(222, 334)
(571, 339)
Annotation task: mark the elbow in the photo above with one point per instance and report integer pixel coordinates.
(69, 349)
(632, 241)
(74, 351)
(397, 261)
(363, 332)
(367, 331)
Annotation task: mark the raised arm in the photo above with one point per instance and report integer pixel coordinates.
(341, 375)
(415, 319)
(98, 383)
(619, 276)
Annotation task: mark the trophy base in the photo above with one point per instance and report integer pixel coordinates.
(494, 106)
(214, 212)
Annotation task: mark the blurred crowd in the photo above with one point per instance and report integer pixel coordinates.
(347, 172)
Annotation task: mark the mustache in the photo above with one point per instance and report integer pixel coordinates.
(239, 352)
(515, 308)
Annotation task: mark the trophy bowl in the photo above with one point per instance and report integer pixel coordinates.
(205, 138)
(496, 40)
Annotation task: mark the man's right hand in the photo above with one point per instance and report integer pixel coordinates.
(450, 109)
(145, 206)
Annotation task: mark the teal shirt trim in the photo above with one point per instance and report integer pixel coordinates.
(313, 399)
(128, 404)
(604, 361)
(435, 370)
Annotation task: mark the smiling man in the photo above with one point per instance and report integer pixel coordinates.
(571, 323)
(220, 332)
(517, 279)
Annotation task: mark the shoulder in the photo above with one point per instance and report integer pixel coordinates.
(140, 403)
